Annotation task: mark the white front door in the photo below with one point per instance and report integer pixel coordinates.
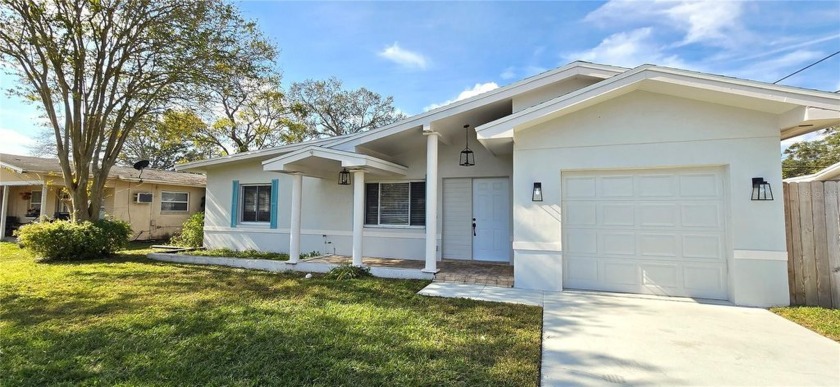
(491, 218)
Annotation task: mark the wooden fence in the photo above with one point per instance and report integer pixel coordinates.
(812, 216)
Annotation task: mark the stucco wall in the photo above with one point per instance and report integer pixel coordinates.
(146, 219)
(327, 207)
(644, 130)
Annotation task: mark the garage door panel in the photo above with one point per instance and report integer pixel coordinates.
(700, 186)
(617, 243)
(616, 187)
(658, 214)
(657, 186)
(659, 245)
(579, 188)
(621, 214)
(703, 246)
(654, 232)
(701, 215)
(582, 241)
(582, 214)
(582, 270)
(615, 272)
(661, 276)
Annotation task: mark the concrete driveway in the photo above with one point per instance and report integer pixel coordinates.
(599, 339)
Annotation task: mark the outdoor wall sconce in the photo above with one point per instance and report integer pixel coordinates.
(761, 189)
(344, 177)
(537, 195)
(467, 155)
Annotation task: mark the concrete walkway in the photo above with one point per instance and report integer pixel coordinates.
(601, 338)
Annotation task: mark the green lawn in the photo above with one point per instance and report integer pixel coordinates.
(134, 321)
(821, 320)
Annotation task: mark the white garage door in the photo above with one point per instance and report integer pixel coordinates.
(645, 231)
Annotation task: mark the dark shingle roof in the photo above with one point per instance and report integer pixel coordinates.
(45, 165)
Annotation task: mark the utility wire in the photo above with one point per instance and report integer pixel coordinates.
(807, 67)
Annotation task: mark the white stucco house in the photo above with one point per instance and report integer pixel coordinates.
(586, 177)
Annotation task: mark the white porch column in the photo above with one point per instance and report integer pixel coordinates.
(358, 215)
(294, 229)
(3, 207)
(431, 201)
(44, 200)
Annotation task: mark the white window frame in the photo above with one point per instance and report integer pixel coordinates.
(174, 201)
(379, 205)
(241, 204)
(35, 204)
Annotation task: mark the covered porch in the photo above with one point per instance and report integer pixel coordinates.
(449, 270)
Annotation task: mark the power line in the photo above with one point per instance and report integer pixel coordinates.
(807, 67)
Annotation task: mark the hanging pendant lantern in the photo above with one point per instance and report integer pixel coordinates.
(344, 177)
(467, 155)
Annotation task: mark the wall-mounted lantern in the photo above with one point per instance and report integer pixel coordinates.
(344, 177)
(761, 189)
(536, 196)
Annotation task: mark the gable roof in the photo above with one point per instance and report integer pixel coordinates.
(24, 164)
(822, 106)
(346, 142)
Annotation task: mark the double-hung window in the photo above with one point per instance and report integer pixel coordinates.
(395, 204)
(174, 201)
(256, 203)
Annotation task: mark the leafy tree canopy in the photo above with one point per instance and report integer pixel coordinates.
(100, 68)
(807, 157)
(329, 110)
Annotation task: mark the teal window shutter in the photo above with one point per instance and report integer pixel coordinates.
(275, 190)
(234, 204)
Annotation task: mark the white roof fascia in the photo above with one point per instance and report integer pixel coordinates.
(571, 70)
(12, 167)
(347, 159)
(503, 127)
(160, 182)
(829, 173)
(253, 154)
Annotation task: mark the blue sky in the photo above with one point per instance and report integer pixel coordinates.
(429, 53)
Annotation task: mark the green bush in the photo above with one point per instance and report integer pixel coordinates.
(192, 232)
(65, 240)
(346, 272)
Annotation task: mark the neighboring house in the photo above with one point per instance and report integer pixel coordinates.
(586, 177)
(828, 174)
(156, 204)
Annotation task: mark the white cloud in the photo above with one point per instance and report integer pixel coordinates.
(509, 73)
(772, 69)
(628, 49)
(714, 23)
(467, 93)
(14, 142)
(404, 57)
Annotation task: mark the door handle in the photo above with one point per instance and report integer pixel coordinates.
(473, 224)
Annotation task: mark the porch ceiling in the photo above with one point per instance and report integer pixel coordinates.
(326, 163)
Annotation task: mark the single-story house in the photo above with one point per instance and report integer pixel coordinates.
(588, 176)
(155, 204)
(830, 173)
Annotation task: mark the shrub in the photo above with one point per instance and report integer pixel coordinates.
(192, 232)
(65, 240)
(249, 254)
(347, 272)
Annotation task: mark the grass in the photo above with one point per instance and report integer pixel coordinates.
(821, 320)
(129, 320)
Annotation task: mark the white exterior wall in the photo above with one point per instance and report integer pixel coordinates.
(327, 208)
(643, 130)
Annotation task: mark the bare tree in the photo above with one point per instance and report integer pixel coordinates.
(330, 110)
(98, 68)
